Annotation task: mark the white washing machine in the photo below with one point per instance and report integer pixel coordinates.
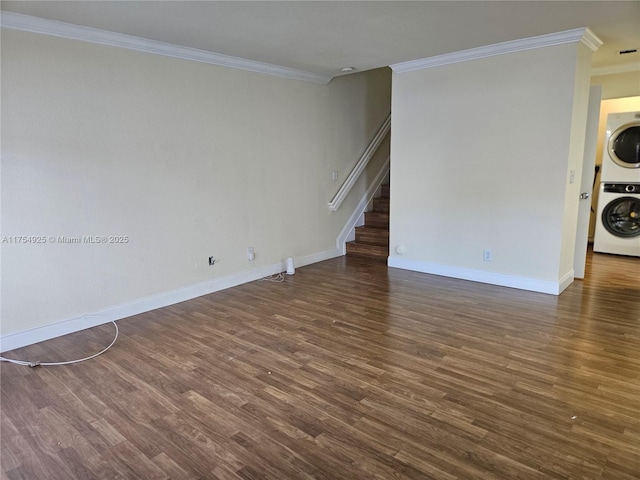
(621, 155)
(618, 219)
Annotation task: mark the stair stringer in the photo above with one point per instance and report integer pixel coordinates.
(356, 218)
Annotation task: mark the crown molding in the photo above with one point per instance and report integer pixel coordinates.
(583, 35)
(590, 39)
(27, 23)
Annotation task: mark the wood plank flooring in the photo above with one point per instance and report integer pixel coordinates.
(346, 370)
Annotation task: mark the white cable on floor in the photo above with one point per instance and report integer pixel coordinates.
(276, 277)
(52, 364)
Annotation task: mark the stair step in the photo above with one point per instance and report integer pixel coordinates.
(367, 250)
(376, 219)
(381, 204)
(372, 239)
(372, 235)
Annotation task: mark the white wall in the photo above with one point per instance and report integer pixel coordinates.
(575, 160)
(186, 159)
(481, 152)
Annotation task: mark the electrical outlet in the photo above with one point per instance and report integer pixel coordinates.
(334, 175)
(250, 254)
(212, 260)
(487, 256)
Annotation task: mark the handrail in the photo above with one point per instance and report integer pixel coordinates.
(360, 166)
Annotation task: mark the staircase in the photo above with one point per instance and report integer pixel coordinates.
(372, 238)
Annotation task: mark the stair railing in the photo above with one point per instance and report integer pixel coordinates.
(350, 181)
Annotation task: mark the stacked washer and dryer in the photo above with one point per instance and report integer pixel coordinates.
(618, 214)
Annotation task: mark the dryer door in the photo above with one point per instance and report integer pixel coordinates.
(624, 145)
(621, 217)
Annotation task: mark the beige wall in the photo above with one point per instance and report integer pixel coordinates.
(481, 152)
(618, 85)
(187, 160)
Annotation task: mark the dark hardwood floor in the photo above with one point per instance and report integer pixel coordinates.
(346, 370)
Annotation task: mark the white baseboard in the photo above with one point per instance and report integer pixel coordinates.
(118, 312)
(566, 280)
(521, 283)
(317, 257)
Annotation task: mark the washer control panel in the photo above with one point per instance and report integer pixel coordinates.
(621, 188)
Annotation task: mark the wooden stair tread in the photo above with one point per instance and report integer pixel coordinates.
(381, 204)
(372, 235)
(372, 228)
(378, 214)
(377, 219)
(367, 250)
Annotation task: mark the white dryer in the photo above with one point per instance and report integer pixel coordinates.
(618, 219)
(621, 155)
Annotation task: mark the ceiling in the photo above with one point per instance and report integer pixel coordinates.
(321, 37)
